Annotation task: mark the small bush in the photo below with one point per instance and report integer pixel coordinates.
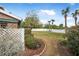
(30, 41)
(73, 41)
(27, 31)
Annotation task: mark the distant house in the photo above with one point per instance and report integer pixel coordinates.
(8, 20)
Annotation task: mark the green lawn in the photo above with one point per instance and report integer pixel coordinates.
(52, 43)
(59, 36)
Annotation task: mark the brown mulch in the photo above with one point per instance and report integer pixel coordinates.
(33, 52)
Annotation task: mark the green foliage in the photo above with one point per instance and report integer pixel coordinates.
(66, 11)
(32, 19)
(61, 26)
(73, 41)
(54, 26)
(27, 31)
(30, 41)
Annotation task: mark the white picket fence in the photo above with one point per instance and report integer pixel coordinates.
(11, 41)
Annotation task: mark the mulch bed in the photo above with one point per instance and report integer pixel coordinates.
(33, 52)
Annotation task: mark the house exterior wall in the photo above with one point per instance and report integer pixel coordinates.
(5, 16)
(9, 25)
(12, 25)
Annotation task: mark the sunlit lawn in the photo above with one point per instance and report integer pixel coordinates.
(59, 36)
(52, 40)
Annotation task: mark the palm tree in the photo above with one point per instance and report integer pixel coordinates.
(49, 25)
(75, 17)
(65, 13)
(52, 21)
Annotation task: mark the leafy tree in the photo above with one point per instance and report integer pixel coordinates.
(54, 26)
(46, 26)
(32, 19)
(61, 26)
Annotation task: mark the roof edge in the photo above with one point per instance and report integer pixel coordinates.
(10, 15)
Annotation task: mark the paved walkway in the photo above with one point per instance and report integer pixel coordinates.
(53, 49)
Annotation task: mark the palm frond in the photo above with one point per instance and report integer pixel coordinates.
(77, 11)
(52, 20)
(67, 9)
(63, 12)
(73, 14)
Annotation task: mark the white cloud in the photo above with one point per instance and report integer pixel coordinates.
(48, 12)
(72, 4)
(43, 21)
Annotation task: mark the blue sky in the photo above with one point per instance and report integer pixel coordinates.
(47, 11)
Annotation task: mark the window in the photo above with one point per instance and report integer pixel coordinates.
(3, 25)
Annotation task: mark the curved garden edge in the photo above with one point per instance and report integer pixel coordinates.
(23, 53)
(44, 49)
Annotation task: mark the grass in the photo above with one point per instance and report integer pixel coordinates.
(59, 36)
(52, 40)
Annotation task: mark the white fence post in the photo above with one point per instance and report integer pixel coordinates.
(23, 43)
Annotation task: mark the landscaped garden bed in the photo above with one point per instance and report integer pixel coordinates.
(33, 46)
(30, 52)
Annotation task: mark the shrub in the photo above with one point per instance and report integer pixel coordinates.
(27, 31)
(73, 41)
(30, 41)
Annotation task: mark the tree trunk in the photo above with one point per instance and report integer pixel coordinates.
(49, 26)
(66, 24)
(76, 22)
